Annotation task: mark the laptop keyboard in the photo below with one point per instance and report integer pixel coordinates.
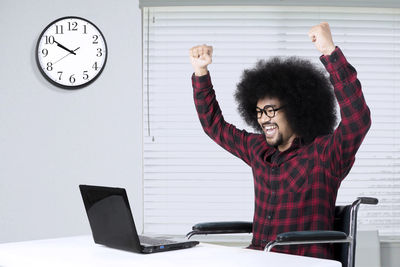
(155, 241)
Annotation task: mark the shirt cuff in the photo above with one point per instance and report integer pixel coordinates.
(333, 61)
(201, 82)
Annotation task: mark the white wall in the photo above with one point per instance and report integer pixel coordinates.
(51, 140)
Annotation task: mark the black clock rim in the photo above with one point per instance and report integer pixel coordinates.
(68, 87)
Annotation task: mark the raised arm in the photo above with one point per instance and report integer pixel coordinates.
(209, 112)
(341, 147)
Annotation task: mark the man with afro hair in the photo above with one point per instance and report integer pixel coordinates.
(297, 157)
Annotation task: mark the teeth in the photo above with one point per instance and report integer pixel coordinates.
(270, 127)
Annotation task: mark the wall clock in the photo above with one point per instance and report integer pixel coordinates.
(71, 52)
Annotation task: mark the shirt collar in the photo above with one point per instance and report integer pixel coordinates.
(297, 143)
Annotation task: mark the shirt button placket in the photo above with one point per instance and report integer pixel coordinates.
(272, 201)
(274, 170)
(272, 196)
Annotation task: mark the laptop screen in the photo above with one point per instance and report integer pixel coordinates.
(110, 217)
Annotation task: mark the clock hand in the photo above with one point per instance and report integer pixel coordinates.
(62, 58)
(67, 55)
(63, 47)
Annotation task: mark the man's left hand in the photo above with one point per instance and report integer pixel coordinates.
(322, 37)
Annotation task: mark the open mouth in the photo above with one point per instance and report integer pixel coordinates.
(270, 130)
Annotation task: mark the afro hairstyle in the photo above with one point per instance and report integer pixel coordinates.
(304, 90)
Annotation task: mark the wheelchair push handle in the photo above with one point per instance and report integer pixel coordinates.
(368, 200)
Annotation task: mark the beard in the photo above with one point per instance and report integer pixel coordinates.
(276, 141)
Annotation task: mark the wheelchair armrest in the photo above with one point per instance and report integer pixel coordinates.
(301, 236)
(308, 237)
(220, 228)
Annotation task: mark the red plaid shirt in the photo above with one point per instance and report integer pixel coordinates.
(295, 189)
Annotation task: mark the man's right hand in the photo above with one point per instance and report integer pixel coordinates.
(200, 57)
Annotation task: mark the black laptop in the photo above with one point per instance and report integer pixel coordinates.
(112, 224)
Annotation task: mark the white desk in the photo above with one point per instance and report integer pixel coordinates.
(82, 251)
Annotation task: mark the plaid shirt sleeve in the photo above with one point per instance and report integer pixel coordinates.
(340, 149)
(210, 115)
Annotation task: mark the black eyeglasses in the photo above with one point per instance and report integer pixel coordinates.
(268, 110)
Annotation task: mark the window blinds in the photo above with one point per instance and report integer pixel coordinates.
(187, 177)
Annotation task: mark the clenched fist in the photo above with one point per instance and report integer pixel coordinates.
(200, 57)
(322, 37)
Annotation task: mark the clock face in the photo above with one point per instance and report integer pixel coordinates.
(71, 52)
